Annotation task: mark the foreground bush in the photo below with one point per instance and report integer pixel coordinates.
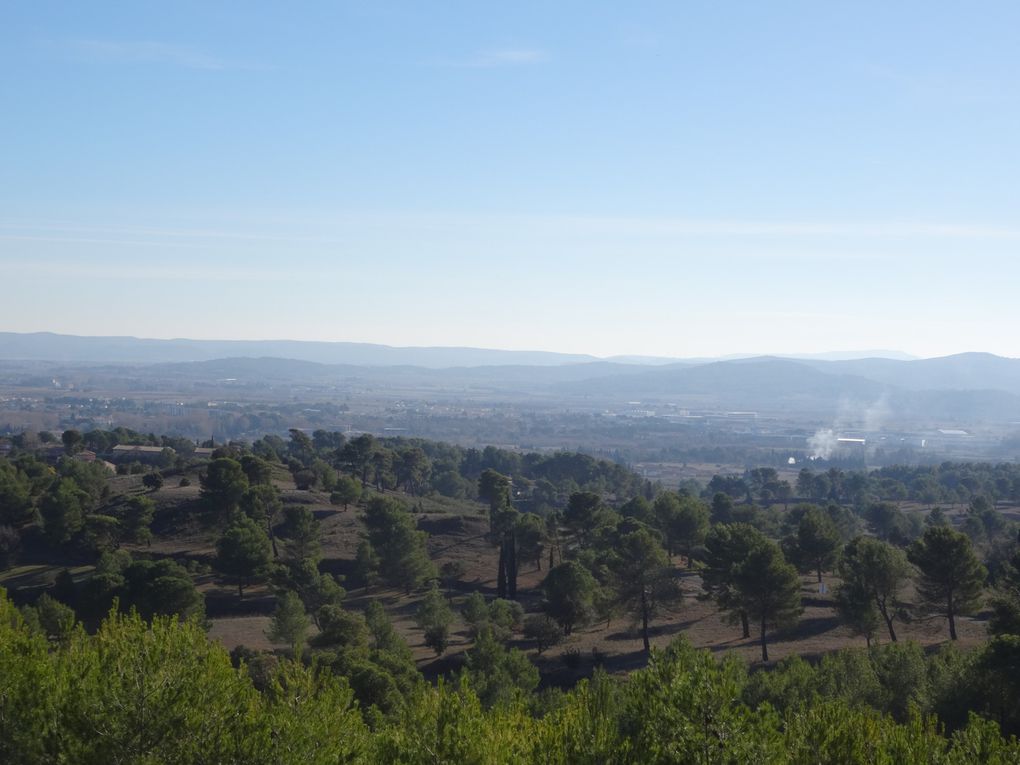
(161, 693)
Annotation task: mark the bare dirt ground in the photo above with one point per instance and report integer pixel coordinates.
(616, 646)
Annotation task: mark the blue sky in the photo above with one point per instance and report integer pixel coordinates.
(677, 178)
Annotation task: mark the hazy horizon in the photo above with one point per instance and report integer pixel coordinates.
(722, 355)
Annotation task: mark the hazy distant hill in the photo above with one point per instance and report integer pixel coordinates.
(956, 407)
(47, 346)
(744, 381)
(977, 385)
(969, 387)
(964, 371)
(506, 377)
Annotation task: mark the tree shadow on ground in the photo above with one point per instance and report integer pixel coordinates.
(556, 673)
(223, 601)
(654, 631)
(815, 601)
(441, 524)
(810, 627)
(343, 567)
(441, 666)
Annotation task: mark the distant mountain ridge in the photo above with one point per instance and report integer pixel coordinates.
(763, 384)
(978, 386)
(50, 346)
(962, 371)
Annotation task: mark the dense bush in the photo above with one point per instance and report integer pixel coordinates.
(162, 693)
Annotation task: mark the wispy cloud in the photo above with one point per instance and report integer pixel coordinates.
(154, 52)
(85, 240)
(339, 226)
(132, 271)
(792, 228)
(500, 57)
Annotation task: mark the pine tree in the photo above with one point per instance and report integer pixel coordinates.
(569, 595)
(366, 563)
(347, 490)
(223, 485)
(63, 510)
(816, 542)
(689, 525)
(138, 514)
(289, 623)
(856, 607)
(475, 612)
(435, 616)
(243, 552)
(769, 589)
(873, 573)
(952, 578)
(400, 547)
(261, 502)
(726, 547)
(300, 533)
(643, 580)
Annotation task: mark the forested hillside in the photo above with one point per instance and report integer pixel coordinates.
(326, 598)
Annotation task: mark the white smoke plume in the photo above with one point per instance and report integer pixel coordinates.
(851, 415)
(854, 414)
(822, 444)
(876, 414)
